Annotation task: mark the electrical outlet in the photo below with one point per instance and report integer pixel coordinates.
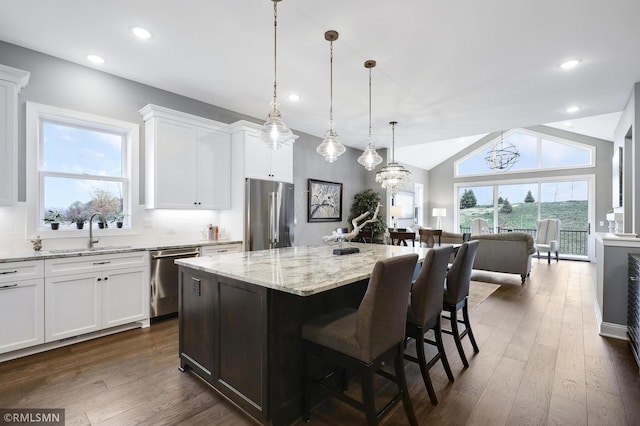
(602, 223)
(148, 224)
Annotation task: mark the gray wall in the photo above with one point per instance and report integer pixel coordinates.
(626, 137)
(67, 85)
(441, 178)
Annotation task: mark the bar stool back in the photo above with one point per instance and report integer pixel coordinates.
(361, 340)
(424, 314)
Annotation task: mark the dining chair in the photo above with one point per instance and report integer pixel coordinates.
(456, 295)
(401, 238)
(362, 340)
(548, 237)
(364, 236)
(429, 236)
(424, 314)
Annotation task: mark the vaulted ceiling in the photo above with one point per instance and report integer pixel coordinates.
(446, 69)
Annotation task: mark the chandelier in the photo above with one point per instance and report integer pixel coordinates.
(274, 132)
(370, 158)
(331, 148)
(502, 156)
(393, 176)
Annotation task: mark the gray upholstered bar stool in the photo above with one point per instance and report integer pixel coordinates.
(456, 294)
(360, 340)
(424, 313)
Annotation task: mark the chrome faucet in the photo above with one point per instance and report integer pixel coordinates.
(91, 240)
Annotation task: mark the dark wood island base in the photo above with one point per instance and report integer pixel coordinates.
(244, 339)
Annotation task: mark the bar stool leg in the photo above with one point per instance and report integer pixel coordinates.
(422, 361)
(402, 384)
(443, 355)
(456, 336)
(467, 323)
(368, 398)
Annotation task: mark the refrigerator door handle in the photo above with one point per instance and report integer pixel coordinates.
(272, 220)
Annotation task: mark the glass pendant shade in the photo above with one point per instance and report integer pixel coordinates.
(331, 148)
(370, 158)
(274, 132)
(393, 176)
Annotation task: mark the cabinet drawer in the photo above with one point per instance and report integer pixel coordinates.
(220, 249)
(83, 264)
(17, 271)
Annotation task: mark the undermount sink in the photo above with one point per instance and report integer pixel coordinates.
(85, 249)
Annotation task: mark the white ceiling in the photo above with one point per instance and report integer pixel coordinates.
(446, 69)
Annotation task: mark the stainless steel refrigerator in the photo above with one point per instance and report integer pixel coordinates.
(269, 213)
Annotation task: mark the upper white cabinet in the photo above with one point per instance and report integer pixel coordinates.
(188, 161)
(12, 80)
(260, 161)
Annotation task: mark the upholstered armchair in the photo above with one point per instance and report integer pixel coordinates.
(479, 226)
(548, 237)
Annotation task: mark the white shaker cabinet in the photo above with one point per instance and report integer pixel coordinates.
(218, 249)
(21, 304)
(12, 80)
(90, 293)
(188, 161)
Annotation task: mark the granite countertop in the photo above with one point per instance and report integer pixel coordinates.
(302, 271)
(99, 249)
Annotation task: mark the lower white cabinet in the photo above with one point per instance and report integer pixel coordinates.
(216, 249)
(21, 305)
(90, 293)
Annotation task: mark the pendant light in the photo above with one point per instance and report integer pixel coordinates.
(502, 156)
(331, 148)
(393, 176)
(370, 158)
(274, 132)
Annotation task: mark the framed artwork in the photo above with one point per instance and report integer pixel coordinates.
(325, 201)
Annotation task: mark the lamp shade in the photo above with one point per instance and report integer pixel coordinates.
(396, 211)
(439, 212)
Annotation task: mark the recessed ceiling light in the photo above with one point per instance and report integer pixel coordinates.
(574, 108)
(95, 59)
(568, 124)
(294, 97)
(141, 33)
(570, 64)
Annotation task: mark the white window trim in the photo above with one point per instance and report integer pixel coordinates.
(35, 113)
(539, 168)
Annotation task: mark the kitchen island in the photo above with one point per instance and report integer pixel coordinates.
(241, 316)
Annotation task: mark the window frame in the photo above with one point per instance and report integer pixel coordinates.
(36, 115)
(539, 136)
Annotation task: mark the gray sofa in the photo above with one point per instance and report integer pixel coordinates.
(508, 252)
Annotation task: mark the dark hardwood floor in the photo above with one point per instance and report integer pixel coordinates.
(541, 361)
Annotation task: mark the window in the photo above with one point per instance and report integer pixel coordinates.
(80, 164)
(537, 152)
(518, 205)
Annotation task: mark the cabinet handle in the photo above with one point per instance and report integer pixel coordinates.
(5, 287)
(99, 279)
(102, 263)
(163, 256)
(8, 272)
(106, 278)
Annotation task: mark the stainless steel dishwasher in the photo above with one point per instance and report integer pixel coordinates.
(164, 279)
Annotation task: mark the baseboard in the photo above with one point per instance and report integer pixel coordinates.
(609, 329)
(71, 340)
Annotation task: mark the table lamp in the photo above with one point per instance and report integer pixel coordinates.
(396, 212)
(439, 214)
